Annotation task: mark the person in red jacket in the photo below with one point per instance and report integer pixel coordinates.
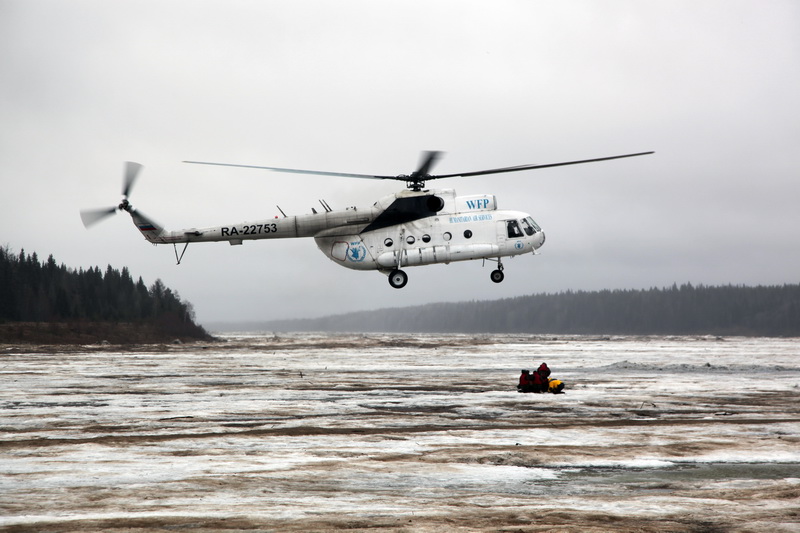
(539, 380)
(524, 381)
(544, 371)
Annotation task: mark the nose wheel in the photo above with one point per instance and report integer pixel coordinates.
(398, 279)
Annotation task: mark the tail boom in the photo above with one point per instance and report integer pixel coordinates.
(276, 228)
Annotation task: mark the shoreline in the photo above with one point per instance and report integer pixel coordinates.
(81, 332)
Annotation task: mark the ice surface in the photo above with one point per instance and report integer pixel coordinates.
(405, 432)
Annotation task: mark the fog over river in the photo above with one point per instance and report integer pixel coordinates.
(378, 432)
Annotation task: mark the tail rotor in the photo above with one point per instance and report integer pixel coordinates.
(90, 217)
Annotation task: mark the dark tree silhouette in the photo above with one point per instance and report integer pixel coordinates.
(34, 292)
(677, 310)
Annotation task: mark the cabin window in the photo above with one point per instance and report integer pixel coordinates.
(388, 243)
(513, 229)
(410, 239)
(468, 234)
(447, 235)
(426, 238)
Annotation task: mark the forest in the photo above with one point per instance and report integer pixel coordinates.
(32, 291)
(36, 292)
(677, 310)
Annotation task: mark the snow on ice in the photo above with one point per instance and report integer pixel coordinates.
(402, 432)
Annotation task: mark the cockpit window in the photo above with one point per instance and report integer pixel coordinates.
(513, 229)
(527, 227)
(533, 225)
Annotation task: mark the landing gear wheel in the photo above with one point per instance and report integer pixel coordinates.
(398, 279)
(497, 276)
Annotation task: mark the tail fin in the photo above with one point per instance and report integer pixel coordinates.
(149, 228)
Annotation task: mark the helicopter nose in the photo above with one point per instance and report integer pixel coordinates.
(539, 241)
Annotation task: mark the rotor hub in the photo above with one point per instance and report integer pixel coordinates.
(414, 182)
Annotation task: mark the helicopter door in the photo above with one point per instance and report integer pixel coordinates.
(502, 232)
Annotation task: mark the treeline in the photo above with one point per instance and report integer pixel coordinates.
(35, 291)
(677, 310)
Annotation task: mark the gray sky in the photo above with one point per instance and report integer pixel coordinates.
(364, 87)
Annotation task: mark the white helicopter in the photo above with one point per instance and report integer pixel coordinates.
(412, 227)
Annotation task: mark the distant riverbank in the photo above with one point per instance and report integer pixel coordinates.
(97, 332)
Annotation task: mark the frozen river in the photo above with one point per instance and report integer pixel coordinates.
(402, 433)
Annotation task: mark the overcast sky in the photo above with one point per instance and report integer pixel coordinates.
(364, 87)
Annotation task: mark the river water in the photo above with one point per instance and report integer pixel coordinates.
(305, 432)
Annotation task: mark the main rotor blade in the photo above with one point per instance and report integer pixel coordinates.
(90, 217)
(298, 171)
(131, 172)
(531, 167)
(429, 158)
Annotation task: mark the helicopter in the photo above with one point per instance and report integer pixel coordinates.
(413, 227)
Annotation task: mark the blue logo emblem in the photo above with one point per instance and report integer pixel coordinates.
(356, 252)
(518, 245)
